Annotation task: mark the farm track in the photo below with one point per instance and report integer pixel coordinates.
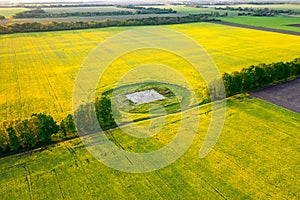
(257, 28)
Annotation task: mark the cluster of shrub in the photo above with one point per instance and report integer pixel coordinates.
(2, 17)
(39, 13)
(251, 78)
(41, 129)
(55, 26)
(259, 11)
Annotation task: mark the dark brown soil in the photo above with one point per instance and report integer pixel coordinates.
(285, 94)
(294, 25)
(258, 28)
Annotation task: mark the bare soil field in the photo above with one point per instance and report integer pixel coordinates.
(294, 25)
(258, 28)
(285, 94)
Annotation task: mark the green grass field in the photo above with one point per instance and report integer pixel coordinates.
(278, 22)
(9, 12)
(256, 157)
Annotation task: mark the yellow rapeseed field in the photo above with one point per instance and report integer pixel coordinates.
(37, 70)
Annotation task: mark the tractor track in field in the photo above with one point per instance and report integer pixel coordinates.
(260, 28)
(59, 185)
(16, 69)
(52, 89)
(28, 180)
(44, 72)
(79, 165)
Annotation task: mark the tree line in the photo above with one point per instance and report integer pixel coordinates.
(56, 26)
(259, 11)
(28, 133)
(59, 5)
(260, 76)
(149, 10)
(40, 13)
(252, 78)
(41, 129)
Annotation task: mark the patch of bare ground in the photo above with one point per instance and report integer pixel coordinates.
(294, 25)
(286, 95)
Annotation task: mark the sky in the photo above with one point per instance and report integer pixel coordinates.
(106, 1)
(144, 1)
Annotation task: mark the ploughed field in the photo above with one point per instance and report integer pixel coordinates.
(286, 95)
(37, 70)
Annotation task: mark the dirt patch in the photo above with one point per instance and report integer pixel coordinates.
(294, 25)
(285, 94)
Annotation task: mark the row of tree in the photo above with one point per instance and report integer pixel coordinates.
(149, 10)
(260, 76)
(59, 5)
(39, 13)
(55, 26)
(33, 132)
(259, 11)
(41, 129)
(251, 78)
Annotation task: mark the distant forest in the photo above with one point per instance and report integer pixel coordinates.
(56, 26)
(40, 13)
(258, 11)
